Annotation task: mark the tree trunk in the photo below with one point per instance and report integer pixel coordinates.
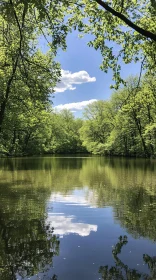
(2, 111)
(138, 124)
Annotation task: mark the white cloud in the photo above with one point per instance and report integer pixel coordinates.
(69, 79)
(64, 225)
(76, 105)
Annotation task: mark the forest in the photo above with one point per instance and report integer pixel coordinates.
(124, 125)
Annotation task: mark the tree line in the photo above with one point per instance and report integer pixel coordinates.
(124, 125)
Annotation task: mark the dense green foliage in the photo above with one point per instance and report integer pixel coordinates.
(121, 30)
(41, 131)
(124, 125)
(27, 80)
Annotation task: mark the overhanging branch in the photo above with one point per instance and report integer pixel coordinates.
(140, 30)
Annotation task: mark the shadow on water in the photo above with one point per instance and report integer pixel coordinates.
(121, 271)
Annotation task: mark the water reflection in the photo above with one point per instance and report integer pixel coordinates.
(87, 200)
(65, 225)
(122, 271)
(82, 197)
(27, 242)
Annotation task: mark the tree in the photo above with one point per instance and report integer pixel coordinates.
(42, 5)
(65, 136)
(121, 30)
(97, 127)
(26, 107)
(27, 78)
(26, 72)
(125, 125)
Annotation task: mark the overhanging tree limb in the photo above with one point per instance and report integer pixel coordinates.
(140, 30)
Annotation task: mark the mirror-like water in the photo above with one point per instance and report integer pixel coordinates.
(72, 218)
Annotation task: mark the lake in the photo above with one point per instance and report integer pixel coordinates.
(77, 218)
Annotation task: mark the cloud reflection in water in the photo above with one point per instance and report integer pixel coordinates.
(65, 224)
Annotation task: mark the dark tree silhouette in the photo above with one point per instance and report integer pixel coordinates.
(121, 271)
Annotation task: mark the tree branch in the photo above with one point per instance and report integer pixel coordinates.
(140, 30)
(20, 27)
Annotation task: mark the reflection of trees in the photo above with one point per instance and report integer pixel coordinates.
(137, 212)
(128, 186)
(64, 174)
(121, 271)
(27, 243)
(47, 173)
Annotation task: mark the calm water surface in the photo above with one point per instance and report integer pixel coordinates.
(75, 218)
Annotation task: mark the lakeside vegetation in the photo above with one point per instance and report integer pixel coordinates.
(125, 125)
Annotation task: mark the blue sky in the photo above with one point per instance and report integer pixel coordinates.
(93, 83)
